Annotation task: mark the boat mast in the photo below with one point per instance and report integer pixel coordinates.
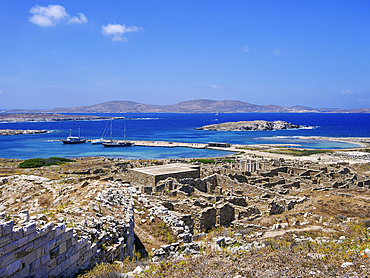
(111, 137)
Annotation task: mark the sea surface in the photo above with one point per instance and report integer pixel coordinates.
(177, 128)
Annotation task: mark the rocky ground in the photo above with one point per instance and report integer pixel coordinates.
(243, 217)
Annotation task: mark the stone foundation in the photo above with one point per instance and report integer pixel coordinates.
(55, 251)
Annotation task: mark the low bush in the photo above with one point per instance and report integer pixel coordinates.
(204, 160)
(39, 162)
(298, 152)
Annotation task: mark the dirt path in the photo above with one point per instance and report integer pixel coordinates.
(276, 233)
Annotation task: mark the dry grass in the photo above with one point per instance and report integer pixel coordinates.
(153, 234)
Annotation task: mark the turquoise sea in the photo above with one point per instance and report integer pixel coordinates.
(178, 128)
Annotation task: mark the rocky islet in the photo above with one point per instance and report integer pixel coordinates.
(250, 126)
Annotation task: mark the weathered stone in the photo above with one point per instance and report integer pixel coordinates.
(226, 214)
(206, 219)
(276, 208)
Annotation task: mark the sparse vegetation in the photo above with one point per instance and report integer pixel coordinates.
(228, 160)
(204, 160)
(40, 162)
(297, 152)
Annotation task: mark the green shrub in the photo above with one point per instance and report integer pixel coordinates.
(228, 160)
(298, 152)
(204, 160)
(39, 162)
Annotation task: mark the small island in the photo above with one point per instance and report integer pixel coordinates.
(44, 117)
(20, 131)
(249, 126)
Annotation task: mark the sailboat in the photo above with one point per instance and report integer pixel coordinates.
(116, 144)
(101, 140)
(74, 139)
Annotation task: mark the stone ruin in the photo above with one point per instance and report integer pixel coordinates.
(235, 193)
(31, 247)
(228, 193)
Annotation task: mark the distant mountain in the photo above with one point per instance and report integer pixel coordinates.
(192, 106)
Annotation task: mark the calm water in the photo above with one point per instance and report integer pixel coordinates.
(178, 128)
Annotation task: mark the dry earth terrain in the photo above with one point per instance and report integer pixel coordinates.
(244, 216)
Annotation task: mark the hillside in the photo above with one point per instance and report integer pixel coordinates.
(191, 106)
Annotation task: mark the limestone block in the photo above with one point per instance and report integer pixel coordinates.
(43, 239)
(51, 265)
(55, 272)
(70, 251)
(35, 265)
(11, 268)
(226, 214)
(46, 229)
(22, 241)
(33, 236)
(10, 247)
(29, 229)
(58, 239)
(75, 257)
(21, 273)
(54, 253)
(5, 240)
(65, 264)
(251, 210)
(61, 228)
(146, 189)
(17, 234)
(40, 272)
(67, 235)
(206, 219)
(7, 259)
(276, 208)
(61, 258)
(7, 227)
(44, 259)
(71, 270)
(63, 247)
(48, 246)
(238, 201)
(24, 250)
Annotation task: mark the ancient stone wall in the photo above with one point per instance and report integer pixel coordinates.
(143, 179)
(54, 250)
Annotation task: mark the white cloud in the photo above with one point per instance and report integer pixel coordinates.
(53, 14)
(216, 87)
(1, 91)
(78, 20)
(276, 51)
(245, 48)
(116, 31)
(346, 92)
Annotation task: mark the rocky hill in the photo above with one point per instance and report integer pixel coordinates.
(191, 106)
(249, 125)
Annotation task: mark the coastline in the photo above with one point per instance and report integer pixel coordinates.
(362, 141)
(5, 132)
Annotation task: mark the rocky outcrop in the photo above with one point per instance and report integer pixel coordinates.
(249, 125)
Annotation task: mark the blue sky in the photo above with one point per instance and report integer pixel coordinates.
(72, 53)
